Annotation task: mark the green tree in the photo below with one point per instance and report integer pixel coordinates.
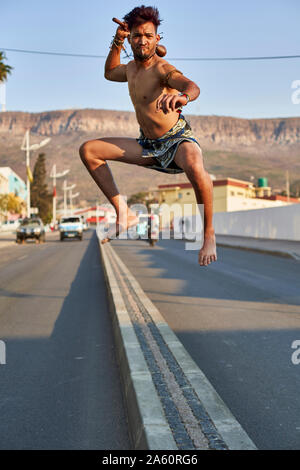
(10, 203)
(40, 197)
(141, 198)
(5, 69)
(3, 203)
(295, 189)
(138, 198)
(14, 204)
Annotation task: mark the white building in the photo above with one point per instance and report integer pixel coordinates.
(3, 184)
(98, 214)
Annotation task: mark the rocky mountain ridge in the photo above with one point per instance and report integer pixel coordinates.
(232, 147)
(211, 130)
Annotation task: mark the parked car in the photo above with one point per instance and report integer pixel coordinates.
(10, 225)
(31, 229)
(70, 227)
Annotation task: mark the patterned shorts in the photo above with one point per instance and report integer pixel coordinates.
(164, 148)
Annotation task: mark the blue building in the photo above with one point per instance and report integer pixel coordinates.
(15, 184)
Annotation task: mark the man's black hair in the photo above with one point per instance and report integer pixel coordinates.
(142, 14)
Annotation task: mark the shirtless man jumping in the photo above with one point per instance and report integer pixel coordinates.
(166, 143)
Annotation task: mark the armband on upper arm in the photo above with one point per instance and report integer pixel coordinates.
(168, 75)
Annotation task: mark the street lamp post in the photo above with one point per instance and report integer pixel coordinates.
(27, 148)
(65, 189)
(287, 185)
(72, 196)
(55, 175)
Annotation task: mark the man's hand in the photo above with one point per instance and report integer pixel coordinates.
(170, 102)
(122, 33)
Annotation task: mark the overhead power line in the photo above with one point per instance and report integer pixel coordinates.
(93, 56)
(54, 53)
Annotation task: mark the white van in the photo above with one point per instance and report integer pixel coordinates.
(70, 227)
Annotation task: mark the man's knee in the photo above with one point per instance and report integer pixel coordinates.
(87, 153)
(84, 151)
(195, 159)
(190, 159)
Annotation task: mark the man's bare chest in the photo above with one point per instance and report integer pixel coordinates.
(144, 86)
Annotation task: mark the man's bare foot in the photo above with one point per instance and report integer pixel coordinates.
(208, 252)
(118, 227)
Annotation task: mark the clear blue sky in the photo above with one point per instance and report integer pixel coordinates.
(197, 28)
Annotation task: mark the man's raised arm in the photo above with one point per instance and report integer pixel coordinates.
(114, 70)
(173, 78)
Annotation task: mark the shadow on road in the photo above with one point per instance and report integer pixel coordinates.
(63, 391)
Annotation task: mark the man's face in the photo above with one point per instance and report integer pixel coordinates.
(143, 40)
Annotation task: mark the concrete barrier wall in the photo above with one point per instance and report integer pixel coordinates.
(278, 223)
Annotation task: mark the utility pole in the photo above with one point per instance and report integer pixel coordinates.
(97, 216)
(65, 189)
(55, 175)
(27, 148)
(65, 196)
(28, 173)
(72, 196)
(70, 199)
(287, 186)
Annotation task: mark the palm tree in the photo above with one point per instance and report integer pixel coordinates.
(5, 70)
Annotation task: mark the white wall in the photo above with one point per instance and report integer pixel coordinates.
(281, 223)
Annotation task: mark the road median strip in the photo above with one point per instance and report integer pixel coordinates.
(170, 403)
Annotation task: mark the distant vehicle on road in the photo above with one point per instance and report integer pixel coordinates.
(10, 225)
(70, 227)
(31, 229)
(84, 223)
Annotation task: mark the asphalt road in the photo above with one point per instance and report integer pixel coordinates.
(59, 388)
(237, 318)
